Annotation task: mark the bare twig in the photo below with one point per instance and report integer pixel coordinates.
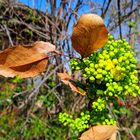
(8, 34)
(128, 131)
(104, 11)
(119, 18)
(35, 91)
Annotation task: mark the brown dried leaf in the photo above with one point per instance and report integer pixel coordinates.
(6, 72)
(29, 70)
(100, 132)
(68, 80)
(44, 47)
(89, 34)
(25, 61)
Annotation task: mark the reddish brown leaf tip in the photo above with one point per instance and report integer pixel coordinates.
(67, 79)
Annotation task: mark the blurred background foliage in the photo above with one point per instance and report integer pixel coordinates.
(29, 108)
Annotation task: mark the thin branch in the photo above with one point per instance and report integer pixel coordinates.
(119, 18)
(8, 34)
(123, 18)
(102, 9)
(106, 9)
(127, 130)
(35, 91)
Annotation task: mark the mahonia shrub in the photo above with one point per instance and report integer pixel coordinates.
(110, 76)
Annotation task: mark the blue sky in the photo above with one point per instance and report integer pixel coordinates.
(41, 5)
(38, 4)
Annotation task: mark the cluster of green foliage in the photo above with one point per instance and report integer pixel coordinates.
(79, 124)
(110, 75)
